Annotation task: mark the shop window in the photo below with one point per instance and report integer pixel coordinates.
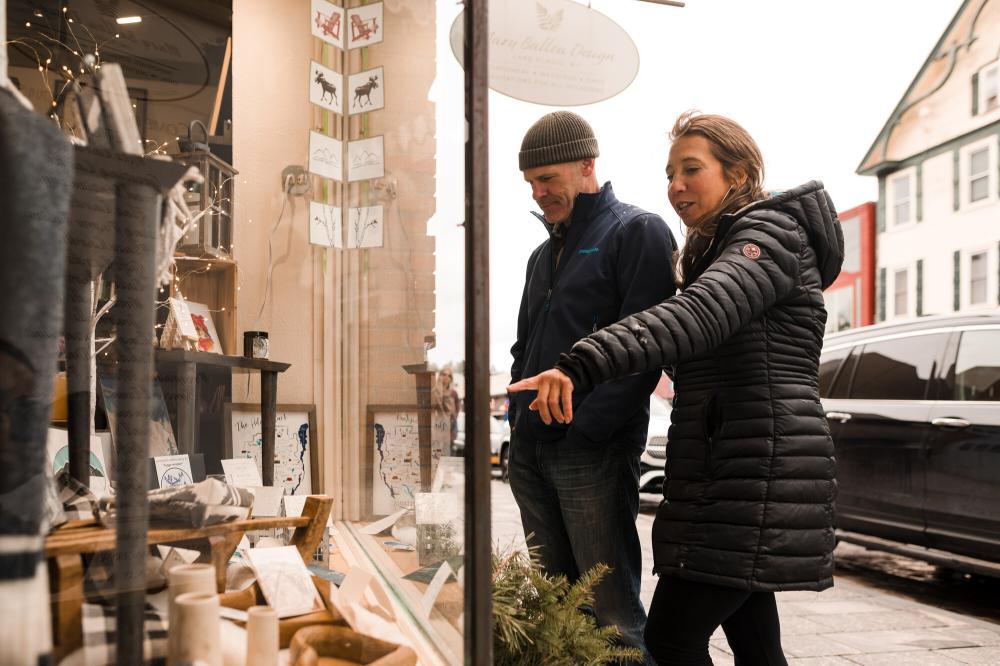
(900, 293)
(369, 325)
(896, 369)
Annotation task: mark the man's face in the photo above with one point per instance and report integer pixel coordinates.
(554, 187)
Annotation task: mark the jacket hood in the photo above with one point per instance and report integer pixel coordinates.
(811, 207)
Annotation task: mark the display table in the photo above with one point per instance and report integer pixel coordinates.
(196, 385)
(65, 546)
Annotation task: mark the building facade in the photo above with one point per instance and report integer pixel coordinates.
(938, 241)
(850, 300)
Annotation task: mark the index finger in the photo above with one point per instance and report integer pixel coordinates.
(529, 384)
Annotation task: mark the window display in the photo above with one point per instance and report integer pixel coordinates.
(319, 226)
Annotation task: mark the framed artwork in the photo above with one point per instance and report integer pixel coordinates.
(365, 227)
(324, 87)
(364, 25)
(367, 91)
(325, 225)
(208, 338)
(365, 159)
(327, 22)
(296, 461)
(325, 156)
(161, 434)
(392, 457)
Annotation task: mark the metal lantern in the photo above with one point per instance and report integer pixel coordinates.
(212, 233)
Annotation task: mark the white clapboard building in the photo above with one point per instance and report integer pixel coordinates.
(936, 159)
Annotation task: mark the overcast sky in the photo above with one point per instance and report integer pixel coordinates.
(813, 81)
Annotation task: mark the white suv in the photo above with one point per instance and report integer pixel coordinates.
(654, 458)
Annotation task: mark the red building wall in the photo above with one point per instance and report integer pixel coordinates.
(858, 273)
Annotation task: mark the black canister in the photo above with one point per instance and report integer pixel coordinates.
(255, 344)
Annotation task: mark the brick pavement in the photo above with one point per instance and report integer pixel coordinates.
(848, 625)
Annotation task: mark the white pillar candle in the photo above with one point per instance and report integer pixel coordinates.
(182, 579)
(262, 636)
(195, 630)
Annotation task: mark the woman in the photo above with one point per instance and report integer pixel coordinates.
(749, 489)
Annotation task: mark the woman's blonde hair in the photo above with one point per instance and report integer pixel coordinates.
(741, 162)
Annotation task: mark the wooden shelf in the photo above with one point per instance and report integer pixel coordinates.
(213, 282)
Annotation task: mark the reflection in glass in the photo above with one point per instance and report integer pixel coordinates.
(977, 369)
(896, 369)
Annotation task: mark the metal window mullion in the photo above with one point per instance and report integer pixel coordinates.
(478, 593)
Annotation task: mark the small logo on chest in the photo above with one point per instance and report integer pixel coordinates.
(589, 250)
(751, 251)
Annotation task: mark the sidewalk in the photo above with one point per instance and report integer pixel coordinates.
(847, 625)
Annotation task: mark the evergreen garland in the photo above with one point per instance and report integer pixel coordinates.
(540, 620)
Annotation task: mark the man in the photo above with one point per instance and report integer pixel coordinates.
(577, 485)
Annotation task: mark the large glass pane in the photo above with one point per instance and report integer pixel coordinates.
(319, 268)
(896, 369)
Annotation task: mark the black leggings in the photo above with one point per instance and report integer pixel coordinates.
(684, 614)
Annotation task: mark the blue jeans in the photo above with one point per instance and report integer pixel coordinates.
(580, 504)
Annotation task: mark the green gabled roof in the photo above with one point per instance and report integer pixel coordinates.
(871, 164)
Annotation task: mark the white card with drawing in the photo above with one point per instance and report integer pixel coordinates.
(364, 227)
(327, 22)
(242, 472)
(58, 450)
(365, 159)
(173, 471)
(325, 87)
(285, 581)
(325, 225)
(367, 91)
(364, 25)
(266, 500)
(325, 157)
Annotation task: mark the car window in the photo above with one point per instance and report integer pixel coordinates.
(829, 363)
(842, 383)
(896, 369)
(977, 367)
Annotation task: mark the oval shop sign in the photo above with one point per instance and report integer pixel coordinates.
(554, 52)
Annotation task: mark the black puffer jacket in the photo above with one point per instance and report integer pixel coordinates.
(749, 490)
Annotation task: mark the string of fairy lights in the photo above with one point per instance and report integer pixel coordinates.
(59, 37)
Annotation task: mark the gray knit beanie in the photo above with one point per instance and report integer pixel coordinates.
(560, 136)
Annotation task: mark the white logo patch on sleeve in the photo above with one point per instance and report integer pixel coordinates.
(751, 251)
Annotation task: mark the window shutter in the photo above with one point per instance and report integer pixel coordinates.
(956, 280)
(920, 196)
(920, 287)
(880, 308)
(880, 208)
(975, 94)
(956, 186)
